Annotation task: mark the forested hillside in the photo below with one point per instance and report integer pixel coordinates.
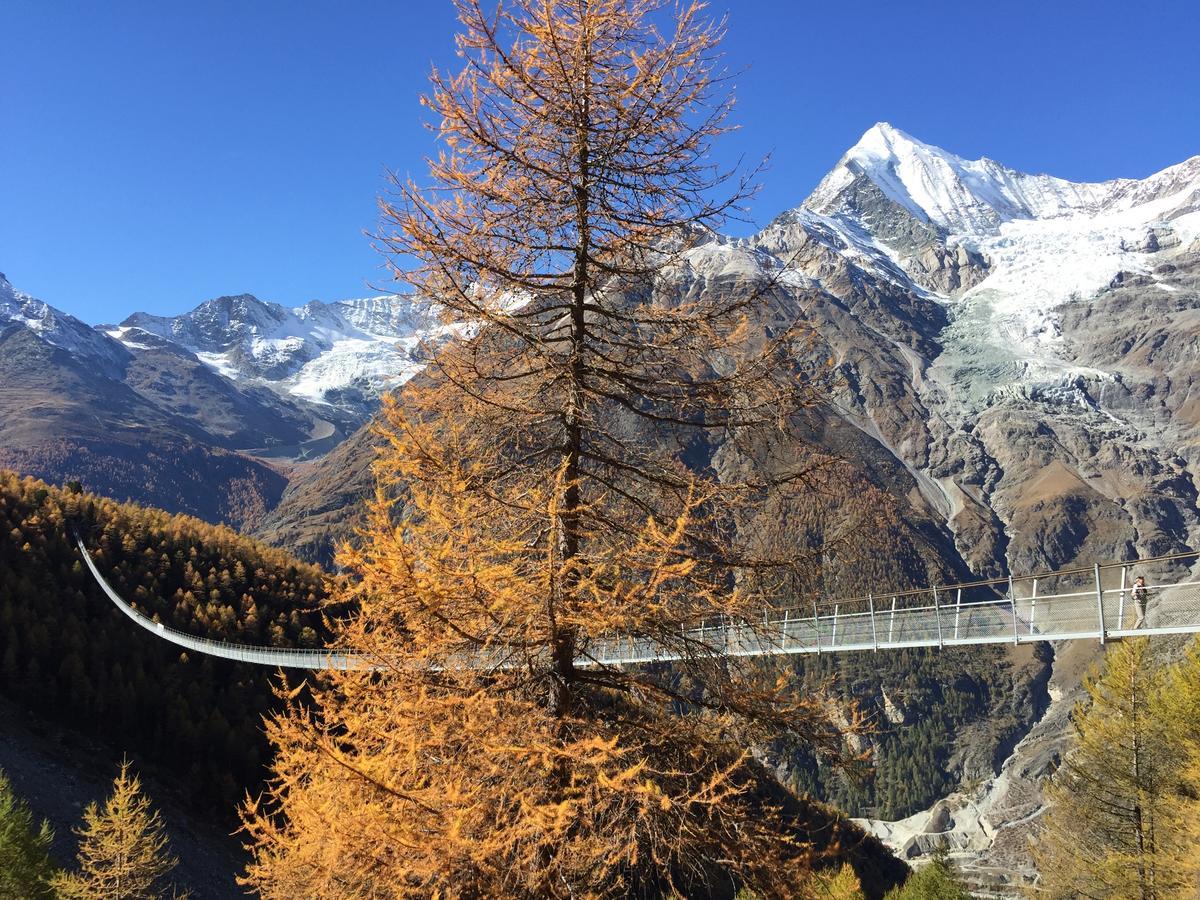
(939, 719)
(68, 656)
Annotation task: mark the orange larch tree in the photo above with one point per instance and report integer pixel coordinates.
(550, 482)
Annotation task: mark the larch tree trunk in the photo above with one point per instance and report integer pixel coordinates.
(539, 493)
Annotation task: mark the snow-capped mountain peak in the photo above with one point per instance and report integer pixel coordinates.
(57, 328)
(214, 325)
(339, 354)
(1002, 249)
(974, 198)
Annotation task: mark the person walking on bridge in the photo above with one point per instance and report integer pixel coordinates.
(1141, 594)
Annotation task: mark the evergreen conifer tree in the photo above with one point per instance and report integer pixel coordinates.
(1109, 830)
(25, 866)
(935, 880)
(1179, 708)
(123, 852)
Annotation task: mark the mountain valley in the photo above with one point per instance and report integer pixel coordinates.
(1014, 360)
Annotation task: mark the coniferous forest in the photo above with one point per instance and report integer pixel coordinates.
(938, 702)
(68, 656)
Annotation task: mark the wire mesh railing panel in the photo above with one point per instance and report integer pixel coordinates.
(852, 630)
(798, 635)
(987, 620)
(917, 620)
(1068, 614)
(1069, 604)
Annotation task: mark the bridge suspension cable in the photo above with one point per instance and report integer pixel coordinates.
(276, 657)
(1097, 603)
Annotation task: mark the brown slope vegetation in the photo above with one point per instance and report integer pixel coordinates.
(234, 415)
(323, 502)
(64, 420)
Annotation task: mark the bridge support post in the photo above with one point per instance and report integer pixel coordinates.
(1033, 606)
(1121, 600)
(1012, 600)
(892, 621)
(833, 637)
(783, 637)
(817, 626)
(957, 611)
(874, 633)
(937, 615)
(1100, 602)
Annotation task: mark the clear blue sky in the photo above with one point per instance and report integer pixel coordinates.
(155, 154)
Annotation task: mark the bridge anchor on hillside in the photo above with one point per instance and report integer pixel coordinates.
(1099, 603)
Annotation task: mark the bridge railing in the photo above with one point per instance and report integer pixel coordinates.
(1097, 603)
(1100, 602)
(287, 657)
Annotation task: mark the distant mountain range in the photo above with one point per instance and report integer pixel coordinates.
(1019, 361)
(203, 412)
(337, 355)
(982, 319)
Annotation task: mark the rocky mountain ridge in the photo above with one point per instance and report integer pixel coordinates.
(338, 355)
(1015, 356)
(1050, 420)
(58, 328)
(982, 322)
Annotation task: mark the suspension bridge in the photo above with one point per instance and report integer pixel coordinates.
(1102, 602)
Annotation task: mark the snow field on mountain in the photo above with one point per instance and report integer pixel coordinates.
(312, 352)
(368, 363)
(1047, 241)
(1039, 264)
(217, 362)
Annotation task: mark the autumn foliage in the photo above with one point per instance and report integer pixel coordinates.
(1123, 806)
(551, 482)
(123, 848)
